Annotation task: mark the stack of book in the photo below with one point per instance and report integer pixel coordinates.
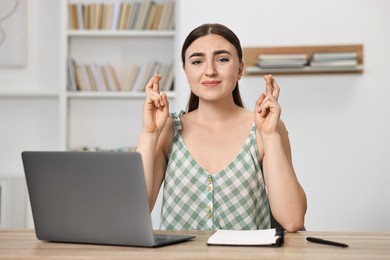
(334, 60)
(282, 61)
(86, 77)
(94, 77)
(145, 15)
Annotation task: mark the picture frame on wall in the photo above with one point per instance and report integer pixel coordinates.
(13, 33)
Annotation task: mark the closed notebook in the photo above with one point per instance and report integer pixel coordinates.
(262, 237)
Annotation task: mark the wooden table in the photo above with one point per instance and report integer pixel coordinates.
(22, 244)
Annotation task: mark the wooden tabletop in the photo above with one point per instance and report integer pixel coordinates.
(22, 244)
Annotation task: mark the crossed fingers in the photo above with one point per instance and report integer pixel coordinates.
(269, 99)
(153, 91)
(271, 86)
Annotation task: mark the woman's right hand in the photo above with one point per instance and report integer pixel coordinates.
(156, 107)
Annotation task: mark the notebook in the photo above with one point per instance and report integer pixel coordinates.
(262, 237)
(91, 197)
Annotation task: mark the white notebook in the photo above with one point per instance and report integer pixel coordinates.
(263, 237)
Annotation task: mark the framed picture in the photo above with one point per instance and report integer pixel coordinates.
(13, 33)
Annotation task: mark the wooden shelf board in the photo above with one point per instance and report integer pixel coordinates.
(251, 56)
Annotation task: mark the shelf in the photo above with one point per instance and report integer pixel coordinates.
(251, 55)
(28, 94)
(120, 33)
(255, 70)
(108, 94)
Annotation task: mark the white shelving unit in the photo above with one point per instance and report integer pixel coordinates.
(107, 119)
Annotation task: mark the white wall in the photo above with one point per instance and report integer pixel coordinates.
(23, 117)
(339, 124)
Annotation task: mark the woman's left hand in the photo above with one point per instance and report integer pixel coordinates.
(267, 110)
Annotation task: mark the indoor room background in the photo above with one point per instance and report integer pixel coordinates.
(338, 123)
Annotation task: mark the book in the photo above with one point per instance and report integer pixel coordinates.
(157, 16)
(262, 237)
(282, 64)
(134, 15)
(117, 9)
(80, 16)
(151, 17)
(132, 75)
(273, 57)
(73, 17)
(292, 60)
(334, 56)
(106, 16)
(124, 16)
(168, 82)
(334, 63)
(72, 84)
(98, 78)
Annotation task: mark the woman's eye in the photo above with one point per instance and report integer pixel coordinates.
(196, 62)
(223, 60)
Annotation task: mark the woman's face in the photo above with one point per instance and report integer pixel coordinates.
(212, 67)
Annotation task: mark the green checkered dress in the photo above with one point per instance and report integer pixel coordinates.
(234, 198)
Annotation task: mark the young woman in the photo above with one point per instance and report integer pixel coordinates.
(223, 167)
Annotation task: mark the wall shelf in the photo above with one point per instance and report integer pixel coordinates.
(29, 94)
(120, 33)
(251, 57)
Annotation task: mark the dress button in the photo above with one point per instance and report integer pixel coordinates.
(208, 215)
(209, 180)
(209, 188)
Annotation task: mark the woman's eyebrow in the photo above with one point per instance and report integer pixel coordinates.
(217, 52)
(195, 54)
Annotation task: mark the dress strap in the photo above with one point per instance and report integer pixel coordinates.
(176, 120)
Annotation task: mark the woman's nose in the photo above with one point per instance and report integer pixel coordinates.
(210, 69)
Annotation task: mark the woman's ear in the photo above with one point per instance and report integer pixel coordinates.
(240, 70)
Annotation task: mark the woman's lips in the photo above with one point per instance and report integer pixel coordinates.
(211, 83)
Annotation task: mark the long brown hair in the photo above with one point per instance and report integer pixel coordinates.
(226, 33)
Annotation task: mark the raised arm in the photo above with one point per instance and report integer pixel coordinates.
(155, 114)
(287, 198)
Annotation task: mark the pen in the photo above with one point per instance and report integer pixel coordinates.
(325, 242)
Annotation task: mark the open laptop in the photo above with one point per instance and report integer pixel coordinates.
(91, 197)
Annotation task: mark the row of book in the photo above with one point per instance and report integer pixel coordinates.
(94, 77)
(320, 60)
(145, 15)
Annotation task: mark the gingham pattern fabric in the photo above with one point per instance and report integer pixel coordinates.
(234, 198)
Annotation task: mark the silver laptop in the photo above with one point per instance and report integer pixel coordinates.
(91, 197)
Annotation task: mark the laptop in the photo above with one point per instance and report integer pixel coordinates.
(91, 197)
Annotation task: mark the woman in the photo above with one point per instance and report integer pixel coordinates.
(223, 167)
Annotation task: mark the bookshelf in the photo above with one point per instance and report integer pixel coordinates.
(39, 113)
(251, 58)
(107, 119)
